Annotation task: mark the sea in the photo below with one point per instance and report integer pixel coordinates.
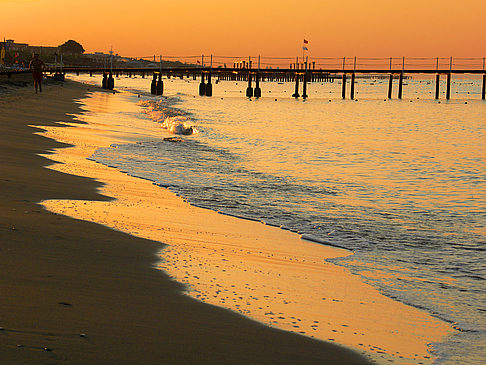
(400, 183)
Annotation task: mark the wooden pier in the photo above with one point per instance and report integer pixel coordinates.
(296, 73)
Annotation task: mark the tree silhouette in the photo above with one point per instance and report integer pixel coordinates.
(71, 47)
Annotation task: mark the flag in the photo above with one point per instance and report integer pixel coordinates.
(305, 48)
(198, 61)
(306, 41)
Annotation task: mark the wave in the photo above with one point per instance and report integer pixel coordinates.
(172, 119)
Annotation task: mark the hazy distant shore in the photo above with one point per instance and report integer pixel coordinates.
(78, 292)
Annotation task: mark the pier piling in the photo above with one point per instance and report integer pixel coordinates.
(209, 86)
(258, 91)
(437, 86)
(304, 86)
(104, 82)
(153, 85)
(160, 85)
(111, 82)
(249, 89)
(343, 93)
(353, 76)
(483, 93)
(390, 86)
(202, 85)
(400, 85)
(296, 93)
(448, 89)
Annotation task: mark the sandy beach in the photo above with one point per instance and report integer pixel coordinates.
(78, 292)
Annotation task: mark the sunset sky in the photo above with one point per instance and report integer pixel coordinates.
(373, 28)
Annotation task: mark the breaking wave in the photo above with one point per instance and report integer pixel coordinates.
(174, 120)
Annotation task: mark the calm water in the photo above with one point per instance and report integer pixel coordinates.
(401, 183)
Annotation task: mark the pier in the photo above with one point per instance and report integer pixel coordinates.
(279, 69)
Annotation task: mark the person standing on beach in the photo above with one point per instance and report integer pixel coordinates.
(37, 66)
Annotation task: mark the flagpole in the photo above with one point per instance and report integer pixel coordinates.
(303, 46)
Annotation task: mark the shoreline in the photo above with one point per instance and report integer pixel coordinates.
(205, 290)
(79, 292)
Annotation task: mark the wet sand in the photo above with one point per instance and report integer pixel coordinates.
(78, 292)
(262, 272)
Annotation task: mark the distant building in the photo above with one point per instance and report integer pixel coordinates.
(12, 46)
(43, 50)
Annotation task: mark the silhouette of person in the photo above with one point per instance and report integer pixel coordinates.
(37, 66)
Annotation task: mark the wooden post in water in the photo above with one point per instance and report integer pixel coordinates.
(209, 86)
(448, 89)
(353, 75)
(344, 86)
(304, 83)
(258, 91)
(400, 80)
(202, 85)
(400, 85)
(304, 86)
(153, 85)
(437, 86)
(160, 85)
(390, 86)
(249, 89)
(483, 93)
(104, 82)
(296, 93)
(111, 82)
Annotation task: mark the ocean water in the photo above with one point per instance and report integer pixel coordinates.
(400, 183)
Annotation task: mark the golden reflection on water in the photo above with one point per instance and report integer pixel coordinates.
(260, 271)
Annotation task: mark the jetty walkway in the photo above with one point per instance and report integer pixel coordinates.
(255, 70)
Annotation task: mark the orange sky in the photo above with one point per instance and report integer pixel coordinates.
(250, 27)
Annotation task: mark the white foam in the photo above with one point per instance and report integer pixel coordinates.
(176, 125)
